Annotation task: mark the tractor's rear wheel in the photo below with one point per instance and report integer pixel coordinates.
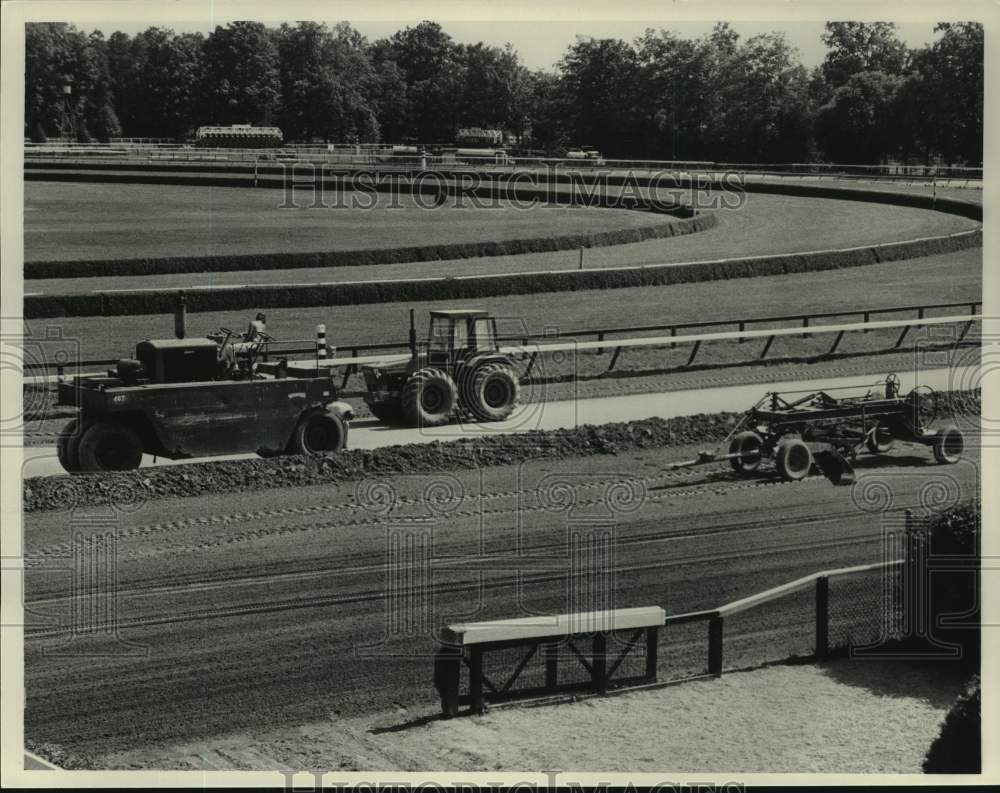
(793, 459)
(749, 447)
(109, 446)
(428, 398)
(319, 432)
(492, 395)
(880, 441)
(949, 444)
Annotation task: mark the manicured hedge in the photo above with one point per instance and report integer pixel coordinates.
(434, 289)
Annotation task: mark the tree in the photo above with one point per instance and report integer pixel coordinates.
(858, 124)
(856, 47)
(495, 89)
(242, 80)
(430, 64)
(951, 79)
(58, 78)
(599, 78)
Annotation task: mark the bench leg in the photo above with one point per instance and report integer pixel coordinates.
(476, 679)
(652, 642)
(551, 665)
(600, 663)
(447, 679)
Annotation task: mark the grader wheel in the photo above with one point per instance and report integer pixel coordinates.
(68, 447)
(319, 432)
(109, 446)
(748, 446)
(880, 441)
(793, 459)
(948, 445)
(428, 398)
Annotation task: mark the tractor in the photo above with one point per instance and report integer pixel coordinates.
(195, 397)
(459, 369)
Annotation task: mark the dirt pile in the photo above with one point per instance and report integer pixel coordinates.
(233, 476)
(127, 489)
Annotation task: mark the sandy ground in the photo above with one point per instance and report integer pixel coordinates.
(847, 716)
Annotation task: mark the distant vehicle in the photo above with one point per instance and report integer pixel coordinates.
(239, 136)
(586, 154)
(477, 136)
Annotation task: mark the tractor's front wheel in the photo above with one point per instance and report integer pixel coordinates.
(493, 393)
(428, 398)
(319, 432)
(109, 446)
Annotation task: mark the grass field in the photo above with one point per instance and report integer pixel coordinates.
(765, 225)
(67, 221)
(933, 279)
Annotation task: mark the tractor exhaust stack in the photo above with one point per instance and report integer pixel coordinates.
(413, 334)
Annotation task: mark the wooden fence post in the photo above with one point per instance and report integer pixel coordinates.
(822, 618)
(715, 646)
(599, 664)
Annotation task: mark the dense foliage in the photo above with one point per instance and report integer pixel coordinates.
(958, 748)
(716, 97)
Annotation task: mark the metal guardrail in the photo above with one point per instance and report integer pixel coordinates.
(602, 338)
(382, 155)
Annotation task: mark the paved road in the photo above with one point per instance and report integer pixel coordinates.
(370, 434)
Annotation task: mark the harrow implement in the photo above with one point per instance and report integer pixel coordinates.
(798, 430)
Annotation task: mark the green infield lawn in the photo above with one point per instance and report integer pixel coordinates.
(79, 221)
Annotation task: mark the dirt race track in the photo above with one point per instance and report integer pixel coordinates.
(289, 606)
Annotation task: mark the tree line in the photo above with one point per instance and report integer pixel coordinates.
(717, 97)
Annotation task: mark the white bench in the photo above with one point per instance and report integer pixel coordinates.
(467, 643)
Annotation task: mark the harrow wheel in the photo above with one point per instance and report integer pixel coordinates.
(429, 398)
(793, 459)
(749, 448)
(880, 440)
(948, 445)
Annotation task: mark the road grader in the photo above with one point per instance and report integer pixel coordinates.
(182, 398)
(459, 369)
(801, 430)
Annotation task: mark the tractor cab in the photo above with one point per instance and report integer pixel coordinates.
(457, 335)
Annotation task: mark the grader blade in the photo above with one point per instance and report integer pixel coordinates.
(834, 466)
